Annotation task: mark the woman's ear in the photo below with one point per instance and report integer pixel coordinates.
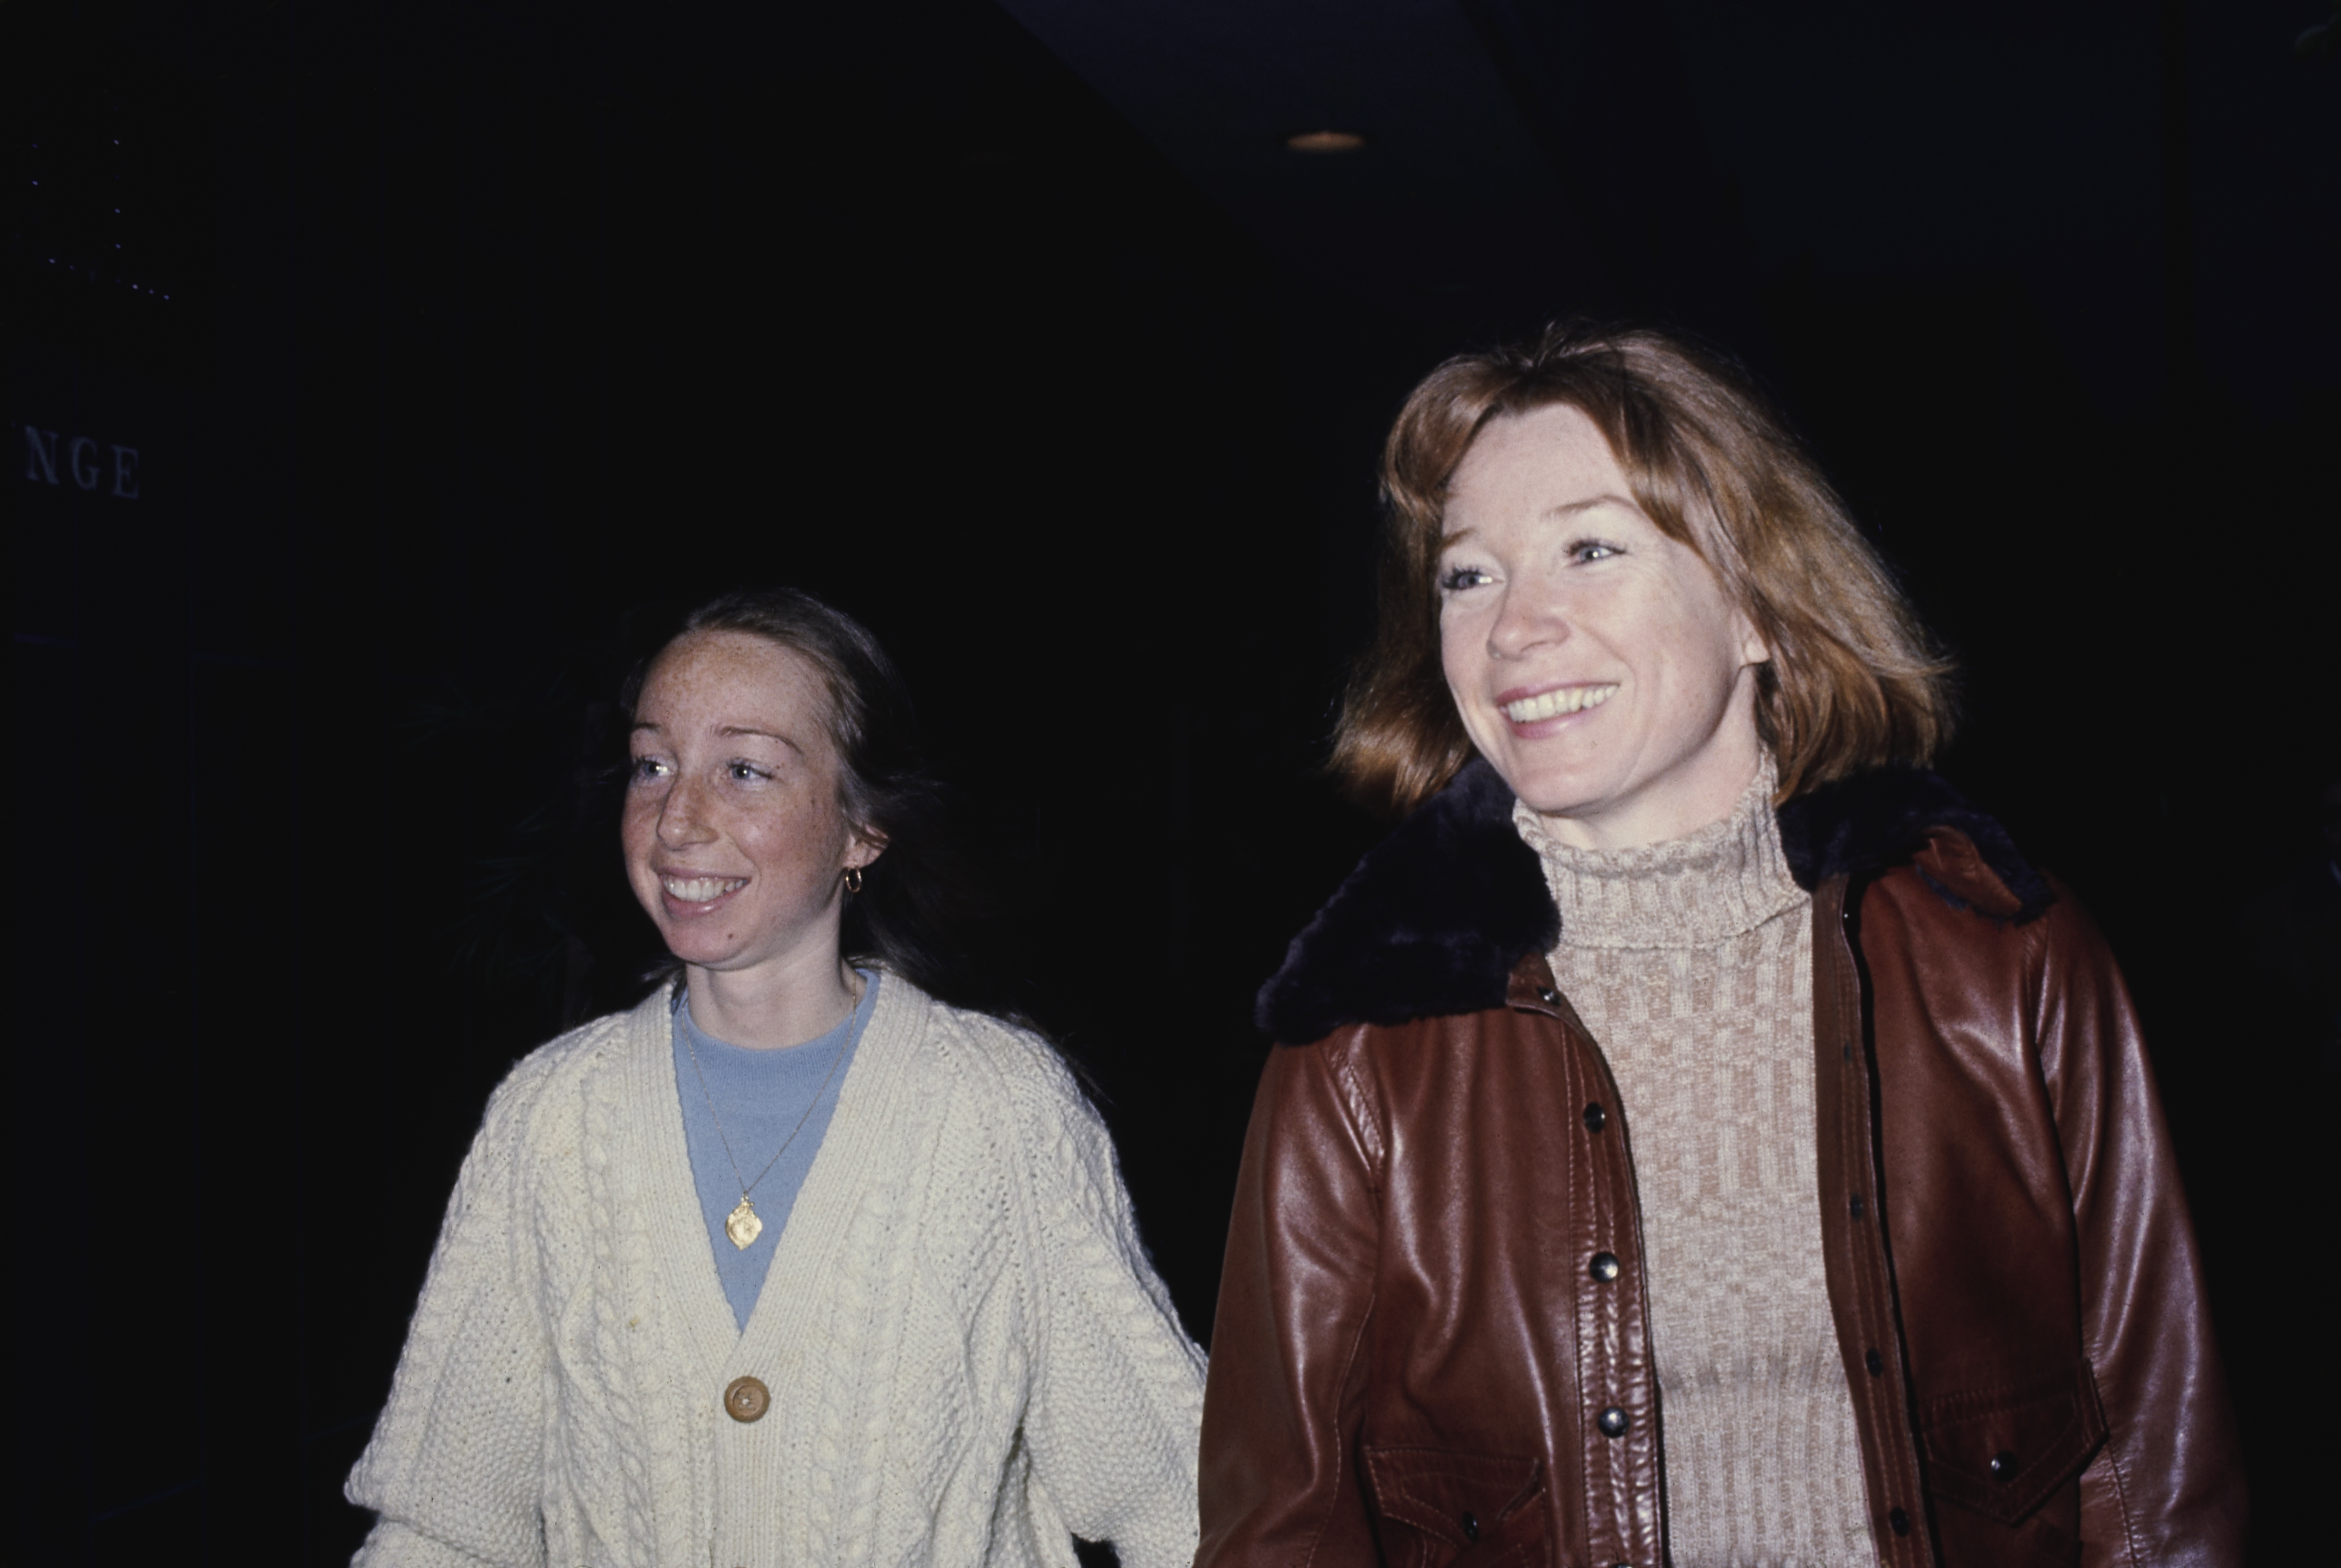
(867, 845)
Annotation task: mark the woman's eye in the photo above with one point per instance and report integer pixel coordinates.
(1593, 549)
(745, 772)
(644, 769)
(1461, 576)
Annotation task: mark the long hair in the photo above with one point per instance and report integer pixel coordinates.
(919, 897)
(1854, 680)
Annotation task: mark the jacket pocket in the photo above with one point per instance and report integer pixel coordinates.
(1436, 1507)
(2003, 1452)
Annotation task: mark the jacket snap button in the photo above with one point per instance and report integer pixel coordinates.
(1604, 1266)
(746, 1400)
(2003, 1466)
(1855, 1206)
(1900, 1521)
(1471, 1527)
(1549, 997)
(1875, 1362)
(1613, 1421)
(1596, 1118)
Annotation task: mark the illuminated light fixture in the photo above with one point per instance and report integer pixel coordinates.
(1325, 141)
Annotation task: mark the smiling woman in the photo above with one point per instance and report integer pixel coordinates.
(736, 837)
(1595, 661)
(795, 1262)
(1645, 432)
(1893, 1267)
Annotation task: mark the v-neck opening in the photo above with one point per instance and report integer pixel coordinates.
(825, 1201)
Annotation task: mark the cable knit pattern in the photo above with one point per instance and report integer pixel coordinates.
(1690, 962)
(969, 1357)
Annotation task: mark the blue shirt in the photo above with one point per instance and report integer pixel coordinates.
(761, 1096)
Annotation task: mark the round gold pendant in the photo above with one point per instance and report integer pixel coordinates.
(742, 1225)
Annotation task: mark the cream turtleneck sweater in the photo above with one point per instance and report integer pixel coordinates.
(1691, 963)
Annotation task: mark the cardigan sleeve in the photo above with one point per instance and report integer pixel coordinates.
(456, 1466)
(1117, 1387)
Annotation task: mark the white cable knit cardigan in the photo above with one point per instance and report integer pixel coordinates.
(970, 1358)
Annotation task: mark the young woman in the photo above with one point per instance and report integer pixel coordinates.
(1704, 1139)
(793, 1263)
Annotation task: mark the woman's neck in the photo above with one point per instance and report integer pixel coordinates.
(783, 1001)
(1727, 877)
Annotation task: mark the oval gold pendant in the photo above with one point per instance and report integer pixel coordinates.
(742, 1225)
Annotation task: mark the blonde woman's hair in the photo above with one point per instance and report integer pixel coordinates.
(1854, 680)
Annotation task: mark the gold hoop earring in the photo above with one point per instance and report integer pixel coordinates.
(853, 879)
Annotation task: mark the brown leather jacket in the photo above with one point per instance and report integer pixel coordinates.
(1419, 1360)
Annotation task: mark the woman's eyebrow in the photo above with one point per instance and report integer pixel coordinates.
(752, 730)
(1571, 508)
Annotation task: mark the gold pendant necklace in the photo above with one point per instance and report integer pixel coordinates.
(741, 1224)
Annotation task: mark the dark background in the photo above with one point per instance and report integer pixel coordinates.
(463, 345)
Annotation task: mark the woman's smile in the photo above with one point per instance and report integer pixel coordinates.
(696, 895)
(1532, 715)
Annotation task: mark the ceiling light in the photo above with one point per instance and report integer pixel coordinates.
(1325, 141)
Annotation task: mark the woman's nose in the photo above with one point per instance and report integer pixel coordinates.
(680, 820)
(1525, 619)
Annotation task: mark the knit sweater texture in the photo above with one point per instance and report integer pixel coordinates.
(1690, 963)
(970, 1358)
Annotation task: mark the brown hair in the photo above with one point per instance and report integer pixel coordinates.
(1854, 680)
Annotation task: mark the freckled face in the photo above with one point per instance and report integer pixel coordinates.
(735, 840)
(1597, 664)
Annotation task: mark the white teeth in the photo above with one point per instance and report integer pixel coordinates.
(700, 889)
(1553, 704)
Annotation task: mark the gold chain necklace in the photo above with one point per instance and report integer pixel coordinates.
(741, 1224)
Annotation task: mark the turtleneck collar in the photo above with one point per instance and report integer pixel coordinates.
(1729, 878)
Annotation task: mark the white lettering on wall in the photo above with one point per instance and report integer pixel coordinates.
(82, 462)
(40, 454)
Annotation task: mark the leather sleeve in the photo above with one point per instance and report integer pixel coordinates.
(2167, 1488)
(1282, 1403)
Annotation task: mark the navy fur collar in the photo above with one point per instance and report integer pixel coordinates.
(1435, 917)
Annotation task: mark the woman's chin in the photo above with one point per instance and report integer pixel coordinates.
(697, 949)
(1552, 789)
